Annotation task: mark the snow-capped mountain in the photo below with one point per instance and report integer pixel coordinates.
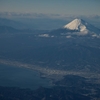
(82, 26)
(77, 27)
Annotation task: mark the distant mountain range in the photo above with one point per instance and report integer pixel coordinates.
(12, 23)
(77, 27)
(9, 29)
(32, 23)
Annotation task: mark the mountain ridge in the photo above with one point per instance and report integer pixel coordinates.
(81, 26)
(77, 27)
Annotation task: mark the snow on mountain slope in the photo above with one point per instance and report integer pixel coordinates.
(82, 26)
(77, 27)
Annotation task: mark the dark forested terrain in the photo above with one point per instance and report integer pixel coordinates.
(70, 88)
(76, 60)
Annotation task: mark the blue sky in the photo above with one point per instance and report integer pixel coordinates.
(71, 7)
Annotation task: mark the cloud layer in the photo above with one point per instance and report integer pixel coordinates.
(42, 15)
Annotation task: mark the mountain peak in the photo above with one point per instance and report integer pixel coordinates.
(82, 26)
(77, 27)
(77, 24)
(78, 20)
